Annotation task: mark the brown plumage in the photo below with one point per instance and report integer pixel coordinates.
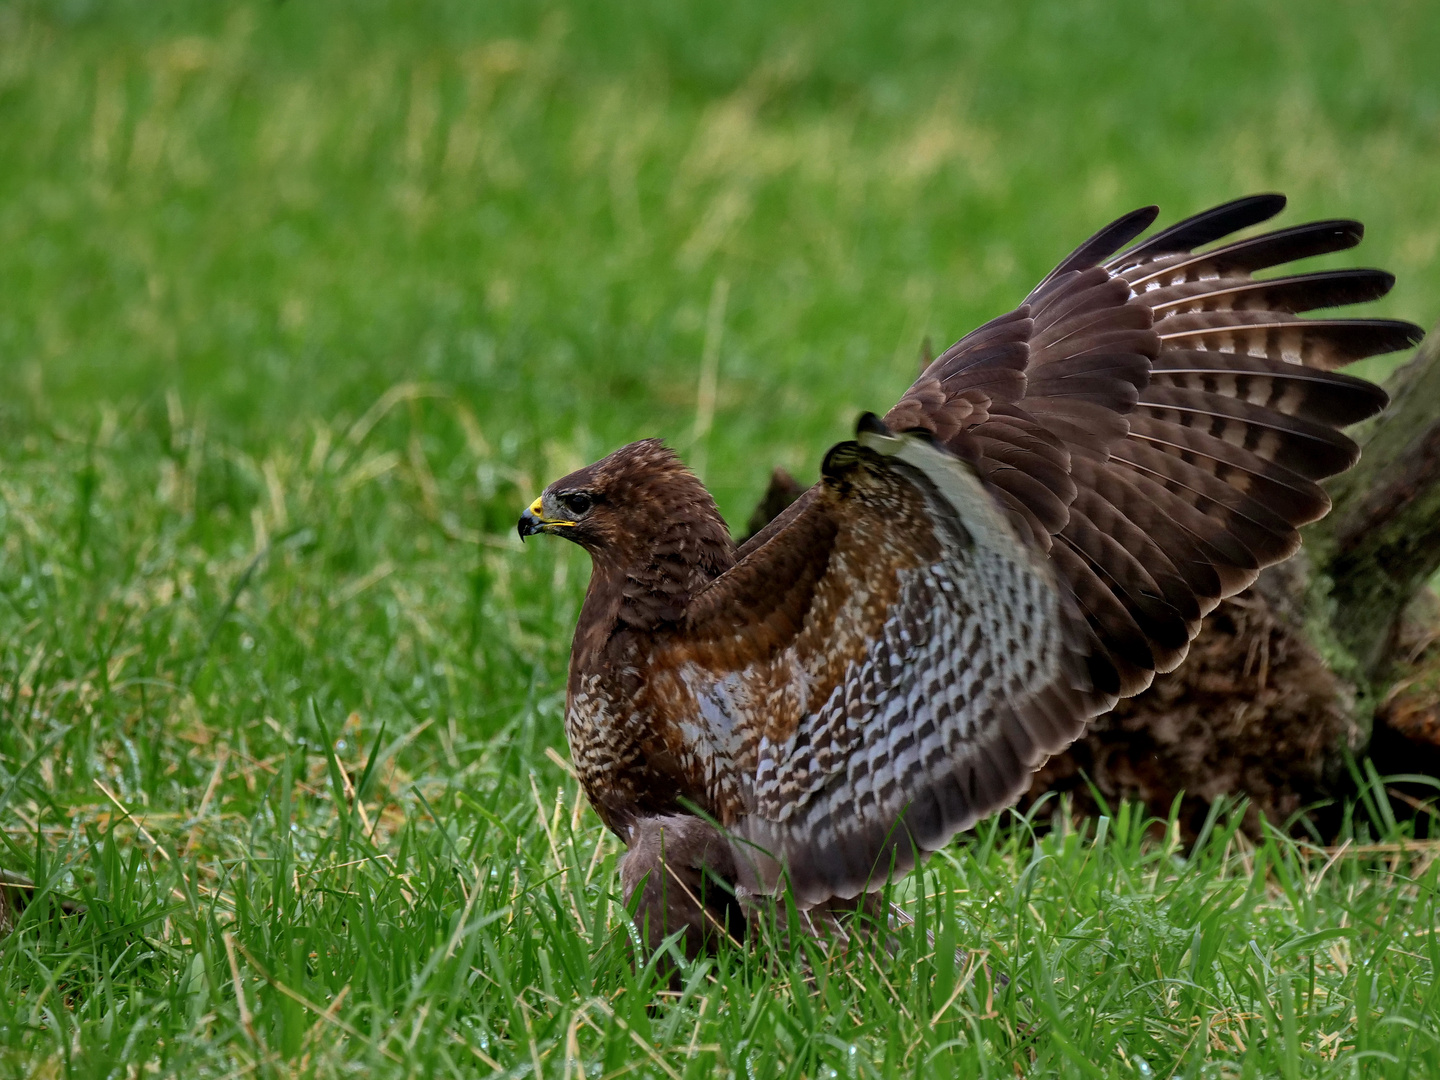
(1033, 531)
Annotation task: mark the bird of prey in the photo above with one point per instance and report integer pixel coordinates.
(1034, 530)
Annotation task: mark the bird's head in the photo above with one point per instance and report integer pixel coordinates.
(634, 506)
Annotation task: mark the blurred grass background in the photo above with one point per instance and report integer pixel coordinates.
(301, 302)
(280, 210)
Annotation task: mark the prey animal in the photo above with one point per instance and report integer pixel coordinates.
(1034, 530)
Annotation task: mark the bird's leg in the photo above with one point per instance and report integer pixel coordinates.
(850, 923)
(900, 917)
(837, 928)
(842, 927)
(679, 874)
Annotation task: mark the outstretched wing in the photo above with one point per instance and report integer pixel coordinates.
(893, 655)
(888, 663)
(1159, 421)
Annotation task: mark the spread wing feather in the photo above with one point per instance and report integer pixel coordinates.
(1104, 464)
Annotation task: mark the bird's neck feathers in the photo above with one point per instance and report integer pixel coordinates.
(655, 581)
(672, 548)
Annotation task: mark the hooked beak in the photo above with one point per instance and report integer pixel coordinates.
(533, 521)
(530, 521)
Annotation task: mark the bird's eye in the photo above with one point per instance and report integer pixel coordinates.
(577, 502)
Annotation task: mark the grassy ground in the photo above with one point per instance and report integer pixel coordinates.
(303, 302)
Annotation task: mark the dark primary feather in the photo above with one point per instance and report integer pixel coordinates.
(1302, 292)
(1329, 398)
(1244, 256)
(1206, 227)
(1103, 243)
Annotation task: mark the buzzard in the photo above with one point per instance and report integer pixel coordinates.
(1034, 530)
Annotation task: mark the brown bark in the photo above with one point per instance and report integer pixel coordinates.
(1381, 544)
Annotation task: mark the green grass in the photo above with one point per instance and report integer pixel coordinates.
(301, 303)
